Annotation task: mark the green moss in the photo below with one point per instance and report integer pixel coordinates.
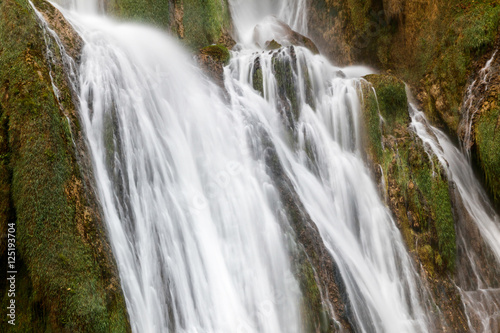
(430, 179)
(392, 99)
(477, 28)
(156, 12)
(488, 146)
(468, 34)
(371, 120)
(68, 284)
(218, 52)
(312, 305)
(273, 45)
(203, 21)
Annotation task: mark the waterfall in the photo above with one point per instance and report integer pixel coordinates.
(478, 278)
(195, 219)
(191, 214)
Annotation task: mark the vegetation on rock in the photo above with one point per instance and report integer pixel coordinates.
(416, 187)
(67, 279)
(488, 144)
(212, 60)
(197, 22)
(411, 171)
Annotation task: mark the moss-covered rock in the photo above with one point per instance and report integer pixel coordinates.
(480, 125)
(67, 279)
(272, 45)
(487, 138)
(284, 65)
(212, 60)
(197, 22)
(218, 52)
(416, 189)
(257, 78)
(417, 185)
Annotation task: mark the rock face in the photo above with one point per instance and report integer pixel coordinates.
(67, 279)
(416, 189)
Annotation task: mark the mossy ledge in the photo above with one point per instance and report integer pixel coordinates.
(416, 189)
(67, 280)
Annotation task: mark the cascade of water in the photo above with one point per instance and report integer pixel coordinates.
(312, 119)
(479, 284)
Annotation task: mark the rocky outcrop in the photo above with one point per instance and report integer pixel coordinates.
(212, 60)
(285, 67)
(416, 189)
(66, 279)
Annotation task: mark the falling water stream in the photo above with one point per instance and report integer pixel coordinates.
(195, 220)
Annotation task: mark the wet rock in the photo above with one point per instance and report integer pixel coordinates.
(272, 45)
(317, 272)
(257, 79)
(340, 74)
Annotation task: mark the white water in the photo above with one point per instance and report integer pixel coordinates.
(481, 297)
(196, 223)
